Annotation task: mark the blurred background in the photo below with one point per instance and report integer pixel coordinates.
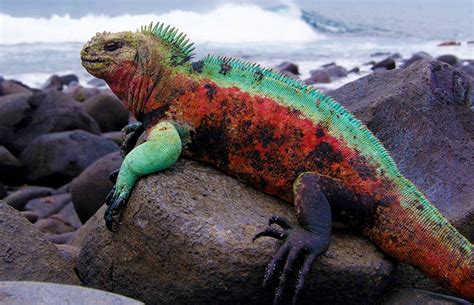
(43, 37)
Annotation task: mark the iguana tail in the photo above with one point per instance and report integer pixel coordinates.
(413, 231)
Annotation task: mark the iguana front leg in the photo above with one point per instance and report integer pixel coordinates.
(161, 150)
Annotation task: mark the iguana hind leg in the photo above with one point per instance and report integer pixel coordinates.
(161, 150)
(318, 199)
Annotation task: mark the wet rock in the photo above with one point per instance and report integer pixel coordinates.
(68, 79)
(336, 71)
(53, 225)
(415, 57)
(449, 59)
(25, 255)
(53, 82)
(449, 43)
(379, 54)
(416, 296)
(13, 87)
(395, 56)
(56, 158)
(11, 170)
(69, 215)
(422, 116)
(115, 136)
(386, 64)
(58, 82)
(114, 118)
(354, 70)
(318, 76)
(288, 68)
(80, 93)
(30, 215)
(91, 187)
(47, 206)
(21, 293)
(24, 117)
(194, 223)
(20, 197)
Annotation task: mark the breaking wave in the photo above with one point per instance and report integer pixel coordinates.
(230, 23)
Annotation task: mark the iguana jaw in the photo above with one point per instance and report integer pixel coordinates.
(95, 63)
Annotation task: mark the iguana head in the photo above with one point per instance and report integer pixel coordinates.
(147, 49)
(107, 51)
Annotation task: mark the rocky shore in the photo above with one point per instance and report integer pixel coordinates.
(186, 234)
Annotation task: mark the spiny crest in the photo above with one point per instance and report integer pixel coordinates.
(181, 46)
(307, 93)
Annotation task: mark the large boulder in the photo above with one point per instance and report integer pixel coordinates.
(12, 87)
(107, 110)
(91, 187)
(186, 238)
(56, 158)
(25, 116)
(422, 116)
(25, 255)
(416, 57)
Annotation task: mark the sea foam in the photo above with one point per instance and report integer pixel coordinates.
(229, 23)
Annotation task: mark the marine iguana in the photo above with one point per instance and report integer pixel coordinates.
(280, 136)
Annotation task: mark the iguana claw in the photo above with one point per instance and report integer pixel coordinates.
(297, 253)
(130, 135)
(115, 202)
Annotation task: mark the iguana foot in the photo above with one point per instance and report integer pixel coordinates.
(116, 200)
(130, 135)
(294, 257)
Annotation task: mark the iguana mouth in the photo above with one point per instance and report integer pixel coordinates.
(93, 60)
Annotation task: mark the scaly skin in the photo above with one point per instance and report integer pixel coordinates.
(268, 130)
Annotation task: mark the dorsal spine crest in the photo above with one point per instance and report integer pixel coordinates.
(181, 46)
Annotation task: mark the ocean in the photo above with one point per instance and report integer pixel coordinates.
(43, 37)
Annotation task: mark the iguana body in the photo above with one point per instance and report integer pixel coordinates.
(280, 136)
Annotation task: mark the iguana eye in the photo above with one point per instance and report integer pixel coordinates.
(111, 46)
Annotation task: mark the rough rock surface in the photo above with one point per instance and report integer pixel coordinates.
(12, 87)
(25, 255)
(21, 293)
(91, 187)
(47, 206)
(24, 117)
(107, 110)
(56, 158)
(422, 116)
(416, 296)
(318, 76)
(196, 224)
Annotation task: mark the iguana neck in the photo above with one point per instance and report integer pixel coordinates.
(144, 89)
